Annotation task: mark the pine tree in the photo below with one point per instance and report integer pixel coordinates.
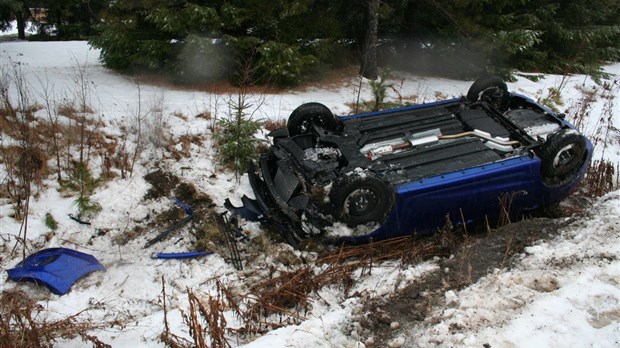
(71, 19)
(289, 41)
(368, 67)
(146, 34)
(192, 40)
(560, 36)
(14, 10)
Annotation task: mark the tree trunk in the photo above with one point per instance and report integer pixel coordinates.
(59, 27)
(368, 68)
(20, 18)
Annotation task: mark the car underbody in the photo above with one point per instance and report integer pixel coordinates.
(407, 170)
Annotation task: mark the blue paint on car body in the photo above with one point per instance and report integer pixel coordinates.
(56, 268)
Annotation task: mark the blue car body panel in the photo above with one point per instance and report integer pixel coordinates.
(465, 196)
(56, 268)
(396, 110)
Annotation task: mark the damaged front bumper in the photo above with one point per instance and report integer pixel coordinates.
(269, 205)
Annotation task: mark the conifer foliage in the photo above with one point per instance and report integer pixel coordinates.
(290, 41)
(51, 19)
(199, 39)
(556, 36)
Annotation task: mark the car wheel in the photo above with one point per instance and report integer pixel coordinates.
(562, 155)
(302, 118)
(359, 200)
(490, 89)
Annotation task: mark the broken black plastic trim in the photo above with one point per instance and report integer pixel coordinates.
(190, 215)
(249, 210)
(273, 193)
(168, 231)
(258, 188)
(276, 211)
(230, 230)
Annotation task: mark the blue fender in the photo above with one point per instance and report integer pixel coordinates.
(56, 268)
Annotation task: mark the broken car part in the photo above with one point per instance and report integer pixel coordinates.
(176, 226)
(180, 255)
(230, 230)
(56, 268)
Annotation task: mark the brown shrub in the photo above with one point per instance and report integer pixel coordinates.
(21, 324)
(272, 125)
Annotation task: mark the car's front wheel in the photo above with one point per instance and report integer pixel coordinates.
(490, 89)
(302, 118)
(361, 199)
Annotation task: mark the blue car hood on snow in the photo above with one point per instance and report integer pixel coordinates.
(56, 268)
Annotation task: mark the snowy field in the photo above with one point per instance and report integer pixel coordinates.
(560, 293)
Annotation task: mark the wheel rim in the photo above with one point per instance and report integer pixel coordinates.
(564, 156)
(306, 125)
(491, 95)
(361, 202)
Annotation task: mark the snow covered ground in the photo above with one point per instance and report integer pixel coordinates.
(563, 292)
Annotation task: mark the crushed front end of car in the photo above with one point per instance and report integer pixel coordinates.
(289, 187)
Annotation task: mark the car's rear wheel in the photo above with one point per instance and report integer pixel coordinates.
(302, 118)
(562, 156)
(490, 89)
(361, 199)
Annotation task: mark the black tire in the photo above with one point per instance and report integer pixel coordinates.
(302, 118)
(562, 155)
(490, 89)
(359, 200)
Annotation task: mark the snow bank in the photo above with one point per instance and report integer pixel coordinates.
(562, 293)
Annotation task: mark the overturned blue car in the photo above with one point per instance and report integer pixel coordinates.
(407, 171)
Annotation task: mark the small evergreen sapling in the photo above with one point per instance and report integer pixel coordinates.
(50, 222)
(235, 138)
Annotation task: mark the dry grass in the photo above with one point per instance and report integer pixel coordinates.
(581, 110)
(209, 237)
(204, 319)
(18, 125)
(71, 111)
(597, 124)
(505, 207)
(218, 87)
(284, 298)
(44, 140)
(332, 78)
(21, 324)
(186, 142)
(272, 125)
(602, 177)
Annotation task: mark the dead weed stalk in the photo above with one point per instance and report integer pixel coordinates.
(285, 299)
(602, 177)
(287, 295)
(206, 322)
(600, 127)
(22, 155)
(21, 326)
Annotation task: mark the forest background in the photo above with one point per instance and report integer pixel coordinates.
(289, 42)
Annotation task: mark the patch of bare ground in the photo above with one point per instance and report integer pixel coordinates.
(189, 200)
(332, 78)
(473, 256)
